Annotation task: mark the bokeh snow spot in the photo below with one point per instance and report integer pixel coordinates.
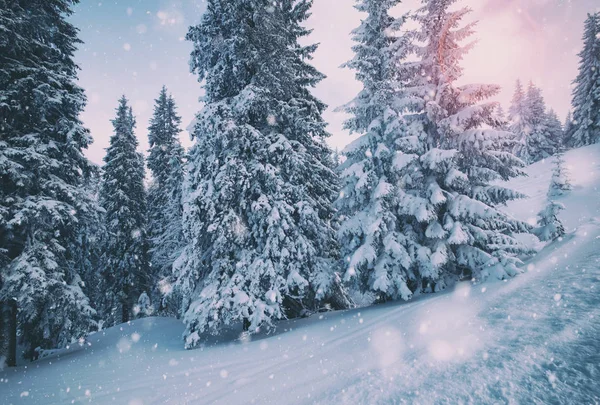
(123, 345)
(388, 345)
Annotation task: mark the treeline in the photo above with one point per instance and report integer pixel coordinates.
(258, 222)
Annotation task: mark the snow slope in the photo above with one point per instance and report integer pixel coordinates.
(533, 339)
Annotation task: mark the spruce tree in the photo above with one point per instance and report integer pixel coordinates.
(568, 128)
(503, 122)
(165, 208)
(561, 182)
(460, 230)
(538, 133)
(550, 227)
(124, 261)
(260, 181)
(556, 131)
(43, 204)
(586, 94)
(541, 143)
(371, 234)
(518, 116)
(89, 239)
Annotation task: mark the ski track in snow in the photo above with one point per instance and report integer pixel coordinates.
(534, 339)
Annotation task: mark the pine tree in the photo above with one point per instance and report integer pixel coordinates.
(460, 232)
(561, 182)
(540, 143)
(538, 133)
(165, 208)
(568, 128)
(89, 239)
(371, 234)
(586, 95)
(260, 181)
(518, 116)
(550, 228)
(556, 132)
(43, 203)
(124, 261)
(500, 117)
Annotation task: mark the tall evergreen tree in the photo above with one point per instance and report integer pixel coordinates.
(165, 208)
(122, 195)
(541, 143)
(260, 182)
(538, 133)
(43, 203)
(371, 235)
(89, 239)
(586, 94)
(460, 230)
(518, 116)
(556, 131)
(568, 128)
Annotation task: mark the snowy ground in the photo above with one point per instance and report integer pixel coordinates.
(534, 339)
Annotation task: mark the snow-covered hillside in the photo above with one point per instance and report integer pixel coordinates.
(533, 339)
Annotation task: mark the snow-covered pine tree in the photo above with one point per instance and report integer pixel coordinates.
(500, 117)
(461, 232)
(125, 259)
(561, 181)
(568, 129)
(371, 236)
(555, 129)
(518, 117)
(42, 173)
(165, 207)
(586, 94)
(260, 184)
(537, 135)
(91, 233)
(550, 227)
(540, 143)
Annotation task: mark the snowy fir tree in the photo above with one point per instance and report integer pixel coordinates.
(568, 128)
(550, 227)
(125, 267)
(518, 116)
(89, 239)
(538, 133)
(541, 142)
(371, 236)
(555, 129)
(586, 94)
(501, 119)
(452, 210)
(165, 208)
(561, 182)
(260, 184)
(43, 204)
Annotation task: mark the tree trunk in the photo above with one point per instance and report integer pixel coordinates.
(246, 325)
(3, 333)
(124, 313)
(11, 328)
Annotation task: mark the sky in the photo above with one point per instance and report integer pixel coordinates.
(134, 47)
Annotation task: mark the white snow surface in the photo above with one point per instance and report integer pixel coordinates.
(532, 339)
